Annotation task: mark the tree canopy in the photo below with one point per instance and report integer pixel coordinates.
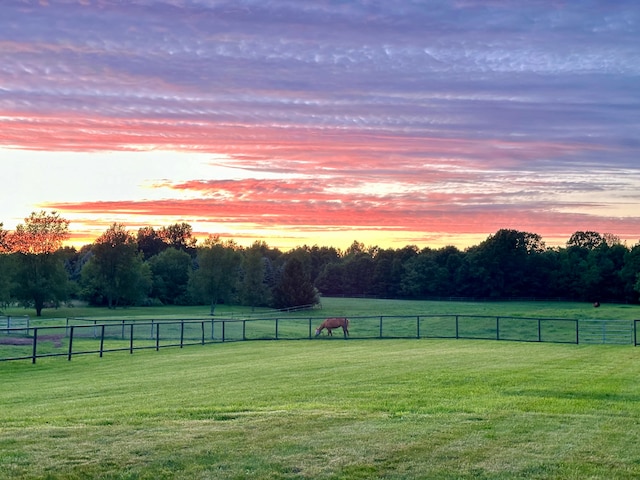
(38, 274)
(168, 266)
(116, 273)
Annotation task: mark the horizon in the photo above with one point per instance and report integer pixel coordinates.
(78, 241)
(323, 123)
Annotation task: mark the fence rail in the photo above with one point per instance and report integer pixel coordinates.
(101, 336)
(16, 321)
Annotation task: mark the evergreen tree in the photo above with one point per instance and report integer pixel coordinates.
(294, 288)
(254, 291)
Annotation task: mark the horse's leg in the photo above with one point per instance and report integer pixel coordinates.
(329, 332)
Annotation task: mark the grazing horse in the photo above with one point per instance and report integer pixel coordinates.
(331, 323)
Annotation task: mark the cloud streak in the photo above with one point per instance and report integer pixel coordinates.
(443, 119)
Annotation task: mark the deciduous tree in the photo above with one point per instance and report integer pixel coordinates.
(7, 274)
(179, 236)
(630, 274)
(149, 242)
(171, 270)
(116, 271)
(4, 244)
(40, 273)
(588, 240)
(216, 273)
(6, 270)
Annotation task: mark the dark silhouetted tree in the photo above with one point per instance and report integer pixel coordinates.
(331, 279)
(179, 236)
(588, 240)
(294, 288)
(171, 269)
(254, 290)
(149, 242)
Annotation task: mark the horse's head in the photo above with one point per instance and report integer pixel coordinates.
(318, 330)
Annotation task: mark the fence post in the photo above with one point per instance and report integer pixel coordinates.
(539, 330)
(203, 331)
(223, 325)
(577, 332)
(635, 333)
(457, 328)
(70, 343)
(380, 326)
(276, 329)
(497, 328)
(131, 338)
(244, 330)
(102, 341)
(418, 326)
(35, 343)
(157, 336)
(181, 333)
(309, 328)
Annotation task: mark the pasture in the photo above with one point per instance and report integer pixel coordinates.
(363, 408)
(340, 307)
(98, 331)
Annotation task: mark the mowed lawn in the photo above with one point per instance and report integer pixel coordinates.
(326, 409)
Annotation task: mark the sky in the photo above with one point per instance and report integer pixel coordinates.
(390, 123)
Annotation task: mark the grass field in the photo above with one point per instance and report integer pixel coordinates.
(358, 409)
(515, 321)
(393, 409)
(349, 307)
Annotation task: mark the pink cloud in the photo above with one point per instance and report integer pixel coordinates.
(449, 118)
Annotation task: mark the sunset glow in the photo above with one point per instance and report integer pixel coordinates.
(394, 123)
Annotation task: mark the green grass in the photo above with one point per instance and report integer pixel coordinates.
(56, 316)
(350, 307)
(400, 320)
(394, 409)
(549, 309)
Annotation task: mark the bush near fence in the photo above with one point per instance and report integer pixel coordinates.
(101, 336)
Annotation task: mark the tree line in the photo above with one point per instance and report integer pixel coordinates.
(167, 266)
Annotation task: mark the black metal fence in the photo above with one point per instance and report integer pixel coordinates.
(82, 336)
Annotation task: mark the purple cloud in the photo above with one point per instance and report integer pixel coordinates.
(524, 91)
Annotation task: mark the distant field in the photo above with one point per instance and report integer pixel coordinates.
(574, 310)
(393, 409)
(353, 307)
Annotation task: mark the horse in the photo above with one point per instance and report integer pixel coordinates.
(331, 323)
